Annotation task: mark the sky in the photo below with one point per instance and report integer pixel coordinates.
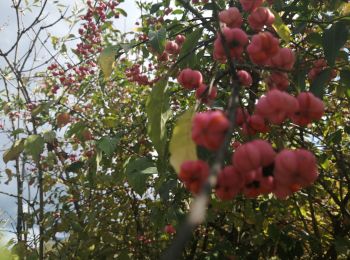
(8, 27)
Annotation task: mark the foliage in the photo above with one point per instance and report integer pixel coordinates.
(106, 171)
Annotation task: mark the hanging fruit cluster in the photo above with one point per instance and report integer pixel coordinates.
(256, 167)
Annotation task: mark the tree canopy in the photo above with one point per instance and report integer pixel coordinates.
(214, 130)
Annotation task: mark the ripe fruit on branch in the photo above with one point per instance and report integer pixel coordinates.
(250, 5)
(205, 94)
(276, 106)
(190, 79)
(255, 124)
(278, 80)
(260, 17)
(244, 78)
(209, 128)
(163, 57)
(242, 116)
(172, 47)
(311, 108)
(169, 229)
(262, 47)
(236, 40)
(180, 39)
(257, 182)
(229, 183)
(231, 17)
(253, 155)
(194, 174)
(294, 170)
(284, 59)
(319, 66)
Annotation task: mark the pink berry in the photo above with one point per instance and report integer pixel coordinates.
(231, 17)
(190, 79)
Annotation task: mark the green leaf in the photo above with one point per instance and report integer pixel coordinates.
(110, 121)
(155, 8)
(54, 41)
(273, 232)
(121, 11)
(107, 59)
(34, 146)
(177, 11)
(75, 129)
(333, 39)
(15, 150)
(182, 148)
(75, 166)
(342, 245)
(300, 78)
(137, 172)
(43, 107)
(157, 40)
(335, 137)
(49, 136)
(345, 77)
(282, 30)
(17, 131)
(318, 86)
(314, 39)
(158, 113)
(108, 145)
(187, 50)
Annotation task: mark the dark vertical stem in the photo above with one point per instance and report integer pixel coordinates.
(41, 214)
(19, 226)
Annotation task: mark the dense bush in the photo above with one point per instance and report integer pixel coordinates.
(227, 120)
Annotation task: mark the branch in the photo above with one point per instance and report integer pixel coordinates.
(187, 6)
(197, 212)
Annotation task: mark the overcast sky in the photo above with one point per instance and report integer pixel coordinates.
(7, 37)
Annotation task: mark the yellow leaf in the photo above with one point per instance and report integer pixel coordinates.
(110, 122)
(345, 10)
(282, 30)
(106, 60)
(182, 148)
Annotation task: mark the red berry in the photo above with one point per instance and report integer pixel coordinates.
(236, 39)
(190, 79)
(231, 17)
(262, 47)
(209, 128)
(180, 39)
(171, 47)
(205, 95)
(194, 174)
(229, 183)
(294, 169)
(245, 78)
(169, 229)
(260, 17)
(310, 109)
(253, 155)
(250, 5)
(284, 59)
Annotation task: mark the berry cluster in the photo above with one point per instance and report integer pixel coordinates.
(319, 66)
(172, 48)
(90, 45)
(256, 167)
(136, 75)
(193, 79)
